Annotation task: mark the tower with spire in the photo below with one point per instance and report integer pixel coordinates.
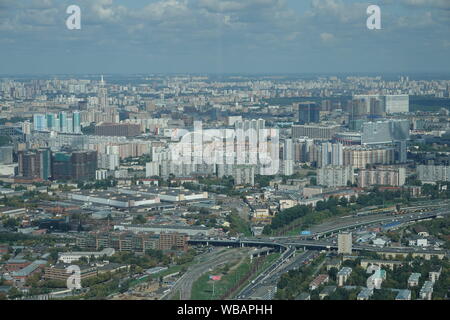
(102, 95)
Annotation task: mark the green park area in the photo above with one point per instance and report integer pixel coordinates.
(233, 278)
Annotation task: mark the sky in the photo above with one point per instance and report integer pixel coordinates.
(224, 36)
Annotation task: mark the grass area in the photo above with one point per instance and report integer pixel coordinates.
(239, 225)
(171, 270)
(202, 289)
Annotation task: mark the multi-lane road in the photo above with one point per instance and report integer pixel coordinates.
(271, 275)
(183, 286)
(321, 238)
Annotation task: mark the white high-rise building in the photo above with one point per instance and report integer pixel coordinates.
(335, 176)
(102, 95)
(389, 103)
(39, 122)
(152, 169)
(397, 103)
(345, 243)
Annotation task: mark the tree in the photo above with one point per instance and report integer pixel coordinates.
(14, 293)
(140, 219)
(333, 273)
(11, 223)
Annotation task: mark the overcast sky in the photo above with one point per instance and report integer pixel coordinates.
(231, 36)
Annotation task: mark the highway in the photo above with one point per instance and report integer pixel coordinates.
(323, 238)
(272, 275)
(209, 261)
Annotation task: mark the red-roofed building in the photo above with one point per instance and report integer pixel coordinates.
(318, 281)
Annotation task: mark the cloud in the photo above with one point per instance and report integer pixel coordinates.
(228, 31)
(442, 4)
(326, 37)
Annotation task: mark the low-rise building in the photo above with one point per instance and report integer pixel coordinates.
(413, 279)
(69, 257)
(318, 281)
(403, 295)
(382, 263)
(365, 294)
(23, 274)
(334, 263)
(60, 272)
(427, 291)
(343, 275)
(435, 274)
(328, 290)
(375, 280)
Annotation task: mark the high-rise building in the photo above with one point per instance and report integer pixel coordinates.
(433, 173)
(117, 129)
(335, 176)
(244, 175)
(77, 165)
(288, 157)
(35, 164)
(63, 122)
(76, 122)
(397, 103)
(39, 122)
(152, 169)
(388, 103)
(308, 112)
(26, 127)
(6, 155)
(315, 131)
(330, 154)
(345, 243)
(361, 156)
(108, 161)
(382, 177)
(102, 96)
(386, 131)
